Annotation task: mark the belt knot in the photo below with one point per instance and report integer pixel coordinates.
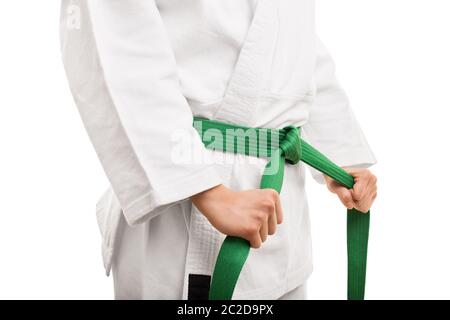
(291, 145)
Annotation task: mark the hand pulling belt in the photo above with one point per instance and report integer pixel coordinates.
(280, 146)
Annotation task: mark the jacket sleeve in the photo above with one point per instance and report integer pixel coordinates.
(332, 127)
(123, 77)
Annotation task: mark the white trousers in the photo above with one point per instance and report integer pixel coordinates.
(131, 282)
(298, 293)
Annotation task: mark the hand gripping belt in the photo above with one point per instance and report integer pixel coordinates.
(280, 146)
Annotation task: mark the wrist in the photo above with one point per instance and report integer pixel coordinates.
(206, 193)
(327, 179)
(209, 198)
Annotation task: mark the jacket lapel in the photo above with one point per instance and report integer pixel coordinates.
(249, 76)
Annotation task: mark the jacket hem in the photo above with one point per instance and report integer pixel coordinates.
(151, 204)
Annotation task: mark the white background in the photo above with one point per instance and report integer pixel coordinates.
(393, 58)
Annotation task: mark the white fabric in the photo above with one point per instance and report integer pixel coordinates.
(299, 293)
(139, 70)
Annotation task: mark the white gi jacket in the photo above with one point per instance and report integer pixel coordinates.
(139, 69)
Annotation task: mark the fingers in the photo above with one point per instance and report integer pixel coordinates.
(365, 189)
(360, 189)
(253, 232)
(272, 224)
(275, 217)
(271, 209)
(278, 208)
(345, 196)
(355, 172)
(255, 240)
(268, 216)
(366, 202)
(263, 232)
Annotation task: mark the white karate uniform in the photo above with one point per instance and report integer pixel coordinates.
(140, 69)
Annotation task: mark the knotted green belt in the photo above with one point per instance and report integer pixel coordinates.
(280, 146)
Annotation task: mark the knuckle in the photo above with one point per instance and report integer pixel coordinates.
(348, 201)
(252, 229)
(248, 231)
(274, 194)
(374, 179)
(346, 197)
(260, 215)
(270, 195)
(267, 205)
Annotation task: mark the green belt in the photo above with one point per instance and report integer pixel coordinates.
(280, 146)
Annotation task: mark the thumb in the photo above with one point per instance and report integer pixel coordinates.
(345, 196)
